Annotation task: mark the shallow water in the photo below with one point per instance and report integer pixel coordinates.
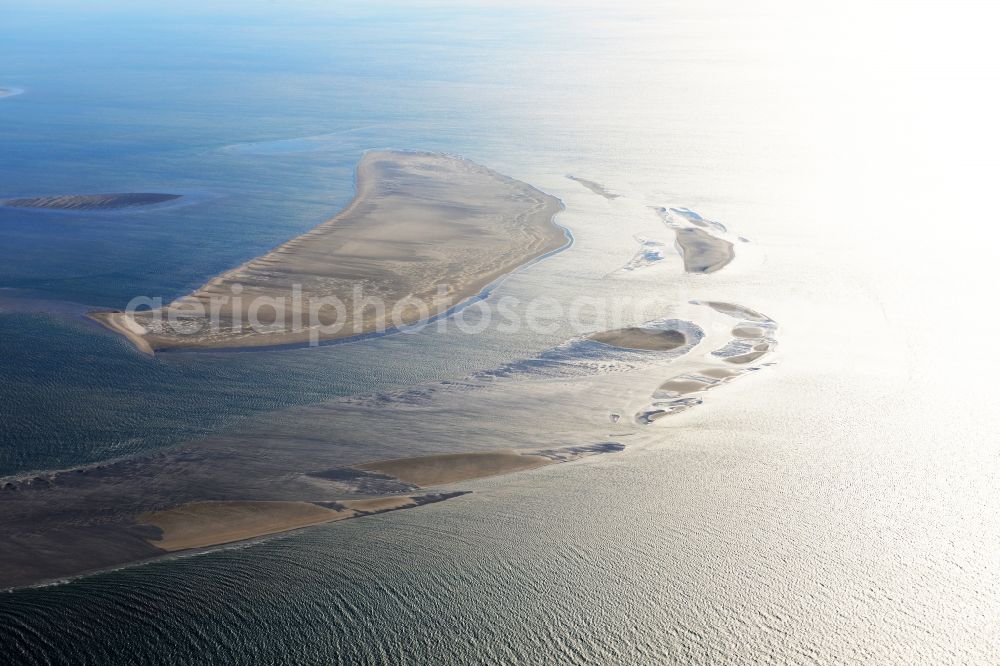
(839, 506)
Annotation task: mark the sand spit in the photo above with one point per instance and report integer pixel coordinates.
(424, 233)
(648, 339)
(91, 202)
(650, 253)
(596, 188)
(10, 92)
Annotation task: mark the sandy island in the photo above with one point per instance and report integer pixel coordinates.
(646, 339)
(424, 233)
(88, 202)
(703, 252)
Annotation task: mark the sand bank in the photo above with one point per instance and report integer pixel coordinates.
(424, 233)
(738, 311)
(753, 339)
(698, 240)
(749, 332)
(205, 524)
(450, 468)
(703, 252)
(91, 202)
(647, 339)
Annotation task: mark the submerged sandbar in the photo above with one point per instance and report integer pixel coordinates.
(88, 202)
(424, 233)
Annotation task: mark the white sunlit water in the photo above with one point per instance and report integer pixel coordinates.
(839, 506)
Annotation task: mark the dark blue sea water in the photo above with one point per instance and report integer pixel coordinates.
(258, 117)
(839, 507)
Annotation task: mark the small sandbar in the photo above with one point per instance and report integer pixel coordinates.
(450, 468)
(698, 220)
(737, 311)
(662, 409)
(749, 332)
(686, 384)
(596, 188)
(424, 233)
(720, 373)
(753, 338)
(703, 252)
(10, 92)
(759, 350)
(91, 202)
(645, 339)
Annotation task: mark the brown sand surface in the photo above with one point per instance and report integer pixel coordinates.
(703, 252)
(596, 188)
(648, 339)
(454, 467)
(378, 504)
(203, 524)
(720, 373)
(424, 233)
(685, 385)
